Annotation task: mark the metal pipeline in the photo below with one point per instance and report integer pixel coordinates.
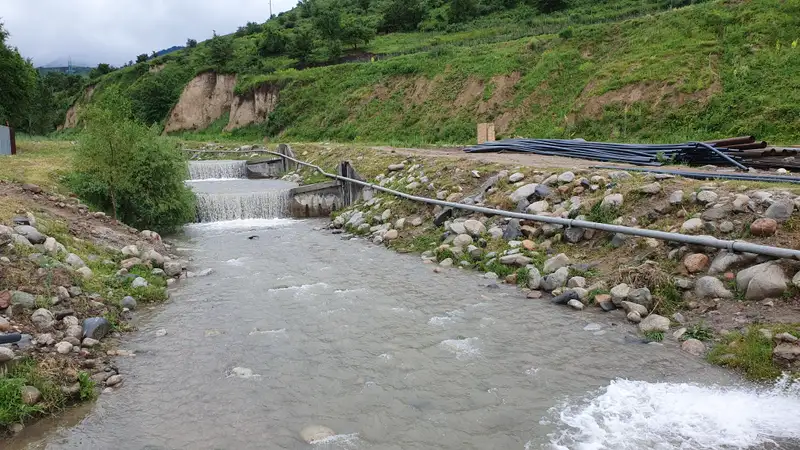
(707, 241)
(708, 176)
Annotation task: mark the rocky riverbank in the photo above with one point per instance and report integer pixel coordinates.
(737, 310)
(71, 281)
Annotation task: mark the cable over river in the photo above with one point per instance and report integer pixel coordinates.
(301, 327)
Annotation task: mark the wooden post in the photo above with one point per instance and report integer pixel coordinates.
(485, 133)
(490, 132)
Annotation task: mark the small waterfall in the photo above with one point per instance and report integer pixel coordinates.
(205, 170)
(269, 204)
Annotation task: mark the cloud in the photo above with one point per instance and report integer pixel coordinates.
(115, 31)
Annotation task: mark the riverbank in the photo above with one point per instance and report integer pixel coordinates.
(737, 310)
(71, 282)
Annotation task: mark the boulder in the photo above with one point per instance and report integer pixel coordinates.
(313, 433)
(89, 342)
(462, 240)
(534, 278)
(18, 239)
(139, 282)
(713, 214)
(85, 273)
(726, 260)
(692, 226)
(575, 304)
(796, 280)
(694, 347)
(6, 354)
(130, 250)
(515, 259)
(740, 202)
(650, 189)
(391, 235)
(474, 228)
(762, 281)
(726, 226)
(43, 319)
(74, 331)
(711, 287)
(676, 198)
(523, 192)
(74, 261)
(634, 316)
(31, 234)
(5, 325)
(764, 227)
(576, 282)
(155, 258)
(23, 299)
(63, 347)
(555, 280)
(619, 293)
(396, 167)
(96, 327)
(787, 355)
(654, 322)
(573, 235)
(555, 263)
(52, 247)
(566, 177)
(640, 310)
(512, 230)
(696, 262)
(458, 228)
(707, 196)
(780, 210)
(538, 207)
(31, 395)
(641, 296)
(612, 201)
(172, 268)
(516, 177)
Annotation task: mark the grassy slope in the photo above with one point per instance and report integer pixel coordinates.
(710, 70)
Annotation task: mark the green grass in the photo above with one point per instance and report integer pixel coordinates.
(27, 373)
(700, 332)
(654, 336)
(751, 353)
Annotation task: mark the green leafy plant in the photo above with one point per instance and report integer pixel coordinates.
(87, 391)
(700, 332)
(654, 336)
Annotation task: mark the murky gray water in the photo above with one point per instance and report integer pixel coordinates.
(392, 356)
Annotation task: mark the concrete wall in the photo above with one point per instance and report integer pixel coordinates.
(316, 200)
(265, 168)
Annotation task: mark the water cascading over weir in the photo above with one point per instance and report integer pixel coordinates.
(224, 193)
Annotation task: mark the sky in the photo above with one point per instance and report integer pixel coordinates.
(115, 31)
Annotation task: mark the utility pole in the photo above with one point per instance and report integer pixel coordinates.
(270, 9)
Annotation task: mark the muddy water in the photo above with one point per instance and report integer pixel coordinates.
(301, 327)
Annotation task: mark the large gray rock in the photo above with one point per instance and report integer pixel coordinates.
(707, 196)
(462, 240)
(458, 228)
(612, 201)
(85, 273)
(512, 230)
(139, 282)
(538, 207)
(762, 281)
(727, 260)
(566, 177)
(6, 354)
(32, 234)
(523, 193)
(96, 327)
(711, 287)
(676, 198)
(781, 210)
(534, 278)
(128, 302)
(474, 228)
(641, 310)
(52, 247)
(694, 347)
(555, 263)
(23, 299)
(796, 280)
(652, 188)
(43, 319)
(619, 293)
(75, 261)
(172, 268)
(641, 296)
(74, 331)
(516, 177)
(694, 225)
(515, 259)
(157, 259)
(654, 322)
(18, 239)
(555, 280)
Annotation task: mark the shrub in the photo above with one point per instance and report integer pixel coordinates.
(126, 168)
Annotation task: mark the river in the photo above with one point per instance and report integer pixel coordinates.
(300, 327)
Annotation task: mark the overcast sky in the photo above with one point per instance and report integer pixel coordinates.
(115, 31)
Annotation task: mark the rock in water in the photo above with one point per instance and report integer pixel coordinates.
(314, 433)
(654, 322)
(565, 298)
(128, 302)
(172, 268)
(96, 327)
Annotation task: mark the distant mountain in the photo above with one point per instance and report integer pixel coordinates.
(65, 62)
(174, 48)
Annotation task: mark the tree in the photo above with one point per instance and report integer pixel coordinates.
(328, 20)
(18, 85)
(191, 43)
(248, 29)
(462, 10)
(100, 70)
(301, 44)
(274, 43)
(220, 52)
(402, 15)
(126, 168)
(141, 58)
(357, 30)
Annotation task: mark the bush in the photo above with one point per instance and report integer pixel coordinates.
(126, 168)
(154, 94)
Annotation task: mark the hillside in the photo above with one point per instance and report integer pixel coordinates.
(619, 70)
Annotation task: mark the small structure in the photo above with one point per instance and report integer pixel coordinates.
(7, 144)
(485, 133)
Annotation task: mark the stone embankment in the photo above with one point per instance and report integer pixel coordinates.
(71, 280)
(704, 296)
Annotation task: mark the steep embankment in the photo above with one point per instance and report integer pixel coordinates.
(71, 120)
(709, 70)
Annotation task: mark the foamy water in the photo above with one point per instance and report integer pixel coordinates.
(241, 224)
(463, 348)
(664, 416)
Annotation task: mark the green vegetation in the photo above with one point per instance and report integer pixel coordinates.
(700, 332)
(125, 168)
(750, 353)
(654, 336)
(29, 372)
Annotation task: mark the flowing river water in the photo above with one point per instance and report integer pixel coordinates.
(299, 327)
